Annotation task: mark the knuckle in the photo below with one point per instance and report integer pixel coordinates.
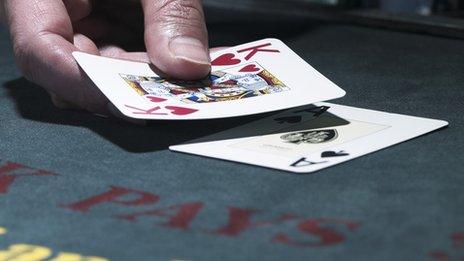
(180, 13)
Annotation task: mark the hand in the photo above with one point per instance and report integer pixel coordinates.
(46, 32)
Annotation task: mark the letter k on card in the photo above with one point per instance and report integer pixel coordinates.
(166, 110)
(234, 58)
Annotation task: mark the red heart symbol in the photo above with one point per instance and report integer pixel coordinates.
(250, 68)
(180, 110)
(225, 59)
(155, 99)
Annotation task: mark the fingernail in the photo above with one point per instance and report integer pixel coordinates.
(189, 48)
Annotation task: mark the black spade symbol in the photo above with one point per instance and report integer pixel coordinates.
(330, 153)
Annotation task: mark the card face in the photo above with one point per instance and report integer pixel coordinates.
(253, 78)
(224, 85)
(329, 134)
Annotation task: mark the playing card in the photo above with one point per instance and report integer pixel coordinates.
(312, 137)
(248, 79)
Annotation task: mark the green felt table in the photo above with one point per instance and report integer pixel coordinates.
(71, 182)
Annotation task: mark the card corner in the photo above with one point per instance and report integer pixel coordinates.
(342, 93)
(78, 54)
(273, 39)
(444, 123)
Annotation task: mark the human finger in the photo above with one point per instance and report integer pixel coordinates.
(43, 37)
(176, 38)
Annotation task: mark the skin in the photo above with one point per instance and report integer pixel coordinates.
(44, 34)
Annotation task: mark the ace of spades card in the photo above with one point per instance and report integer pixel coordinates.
(253, 78)
(311, 138)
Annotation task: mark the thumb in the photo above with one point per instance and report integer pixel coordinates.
(176, 37)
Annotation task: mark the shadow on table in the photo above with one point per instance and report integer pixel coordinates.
(34, 103)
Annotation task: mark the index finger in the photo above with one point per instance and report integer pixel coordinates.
(42, 36)
(176, 37)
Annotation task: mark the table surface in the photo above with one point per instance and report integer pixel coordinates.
(71, 182)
